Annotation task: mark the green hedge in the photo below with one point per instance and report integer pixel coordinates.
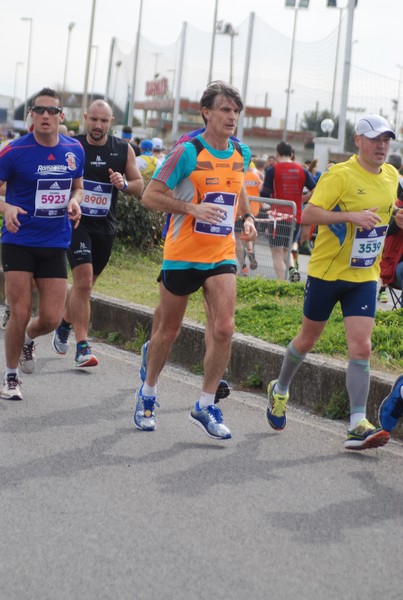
(137, 226)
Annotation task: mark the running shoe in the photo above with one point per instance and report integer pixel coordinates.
(143, 366)
(364, 435)
(391, 409)
(210, 419)
(382, 296)
(294, 275)
(27, 360)
(11, 388)
(244, 271)
(84, 356)
(252, 261)
(6, 316)
(223, 390)
(144, 417)
(276, 408)
(60, 340)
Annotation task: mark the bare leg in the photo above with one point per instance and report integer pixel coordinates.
(220, 296)
(170, 313)
(78, 309)
(18, 290)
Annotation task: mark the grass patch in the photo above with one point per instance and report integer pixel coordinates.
(270, 310)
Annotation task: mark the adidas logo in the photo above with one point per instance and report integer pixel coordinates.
(220, 200)
(51, 157)
(55, 186)
(373, 233)
(98, 188)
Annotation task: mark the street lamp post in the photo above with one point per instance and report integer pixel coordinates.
(95, 48)
(118, 64)
(87, 65)
(17, 64)
(292, 4)
(228, 29)
(397, 125)
(29, 20)
(70, 28)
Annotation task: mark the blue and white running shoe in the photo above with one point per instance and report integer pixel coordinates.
(391, 409)
(210, 419)
(144, 417)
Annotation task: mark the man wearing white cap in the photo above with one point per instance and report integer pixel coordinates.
(352, 204)
(158, 150)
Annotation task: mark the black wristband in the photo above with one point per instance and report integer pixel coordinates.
(246, 215)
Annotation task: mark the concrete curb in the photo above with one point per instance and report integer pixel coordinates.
(314, 385)
(318, 379)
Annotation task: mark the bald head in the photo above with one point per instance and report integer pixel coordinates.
(98, 121)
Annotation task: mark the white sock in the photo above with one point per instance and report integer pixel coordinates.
(149, 390)
(355, 418)
(206, 399)
(401, 391)
(11, 371)
(27, 340)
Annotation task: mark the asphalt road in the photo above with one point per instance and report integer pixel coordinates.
(93, 509)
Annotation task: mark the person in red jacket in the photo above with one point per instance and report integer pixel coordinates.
(392, 255)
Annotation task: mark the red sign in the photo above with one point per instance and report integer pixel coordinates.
(157, 87)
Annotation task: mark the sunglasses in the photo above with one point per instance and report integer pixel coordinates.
(51, 110)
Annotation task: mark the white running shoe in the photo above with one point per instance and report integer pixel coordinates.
(11, 388)
(27, 360)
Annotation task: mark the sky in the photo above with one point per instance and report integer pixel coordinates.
(376, 49)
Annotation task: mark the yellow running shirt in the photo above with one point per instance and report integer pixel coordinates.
(344, 251)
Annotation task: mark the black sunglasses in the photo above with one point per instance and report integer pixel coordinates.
(51, 110)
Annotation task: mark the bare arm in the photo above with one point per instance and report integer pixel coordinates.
(315, 215)
(158, 196)
(73, 207)
(249, 230)
(134, 180)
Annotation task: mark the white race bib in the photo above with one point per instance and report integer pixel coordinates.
(227, 202)
(97, 198)
(52, 197)
(367, 245)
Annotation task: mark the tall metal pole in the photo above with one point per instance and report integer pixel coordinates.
(336, 62)
(87, 66)
(177, 98)
(210, 71)
(17, 64)
(29, 20)
(246, 72)
(397, 129)
(108, 77)
(70, 28)
(346, 75)
(288, 90)
(136, 59)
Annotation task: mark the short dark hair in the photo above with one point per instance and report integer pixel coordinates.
(126, 129)
(284, 149)
(219, 88)
(48, 92)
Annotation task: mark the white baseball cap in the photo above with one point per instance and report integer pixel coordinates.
(373, 125)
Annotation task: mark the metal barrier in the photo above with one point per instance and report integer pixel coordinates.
(275, 225)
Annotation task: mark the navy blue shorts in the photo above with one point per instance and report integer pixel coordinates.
(356, 299)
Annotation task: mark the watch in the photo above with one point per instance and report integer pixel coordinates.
(246, 215)
(125, 185)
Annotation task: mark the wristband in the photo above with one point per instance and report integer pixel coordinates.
(246, 215)
(125, 185)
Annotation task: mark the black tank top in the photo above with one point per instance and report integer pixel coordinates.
(98, 159)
